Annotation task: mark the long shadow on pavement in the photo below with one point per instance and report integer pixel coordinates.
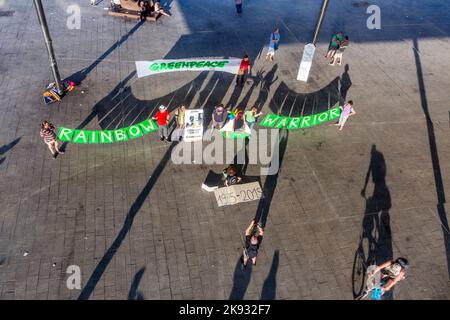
(439, 185)
(79, 76)
(134, 293)
(106, 259)
(241, 279)
(376, 231)
(269, 290)
(5, 148)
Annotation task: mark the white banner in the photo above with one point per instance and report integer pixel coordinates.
(305, 65)
(194, 125)
(148, 68)
(238, 193)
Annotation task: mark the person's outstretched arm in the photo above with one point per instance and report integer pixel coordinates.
(392, 283)
(249, 229)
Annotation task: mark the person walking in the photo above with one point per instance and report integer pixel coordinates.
(49, 135)
(219, 116)
(162, 118)
(243, 68)
(347, 111)
(273, 44)
(238, 6)
(250, 117)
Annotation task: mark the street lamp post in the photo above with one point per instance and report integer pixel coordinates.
(323, 9)
(48, 43)
(310, 48)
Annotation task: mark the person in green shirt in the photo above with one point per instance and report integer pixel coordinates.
(250, 117)
(336, 41)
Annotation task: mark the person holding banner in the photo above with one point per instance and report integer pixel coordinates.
(243, 68)
(219, 116)
(347, 111)
(250, 117)
(162, 118)
(180, 118)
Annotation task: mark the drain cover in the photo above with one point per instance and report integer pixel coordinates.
(6, 13)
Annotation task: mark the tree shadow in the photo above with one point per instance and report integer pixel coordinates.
(439, 185)
(106, 259)
(5, 148)
(241, 279)
(375, 246)
(269, 289)
(134, 294)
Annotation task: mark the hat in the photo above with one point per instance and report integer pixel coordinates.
(162, 107)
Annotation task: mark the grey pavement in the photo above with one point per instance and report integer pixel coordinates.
(140, 227)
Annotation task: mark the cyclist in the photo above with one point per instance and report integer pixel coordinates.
(391, 272)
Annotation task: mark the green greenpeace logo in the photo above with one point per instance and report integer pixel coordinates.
(187, 65)
(279, 122)
(107, 136)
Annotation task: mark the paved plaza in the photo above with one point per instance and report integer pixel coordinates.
(140, 226)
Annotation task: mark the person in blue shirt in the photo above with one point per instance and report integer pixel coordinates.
(273, 44)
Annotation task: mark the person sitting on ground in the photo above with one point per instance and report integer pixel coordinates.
(219, 116)
(160, 9)
(252, 243)
(392, 272)
(337, 58)
(231, 177)
(336, 41)
(145, 10)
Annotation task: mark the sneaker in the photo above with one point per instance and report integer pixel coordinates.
(161, 138)
(168, 140)
(55, 155)
(61, 152)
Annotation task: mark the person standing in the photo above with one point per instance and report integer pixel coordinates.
(93, 2)
(219, 117)
(252, 243)
(162, 118)
(49, 135)
(347, 111)
(273, 44)
(180, 119)
(238, 6)
(250, 117)
(243, 68)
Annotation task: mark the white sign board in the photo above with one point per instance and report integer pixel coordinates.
(305, 65)
(238, 193)
(193, 120)
(148, 68)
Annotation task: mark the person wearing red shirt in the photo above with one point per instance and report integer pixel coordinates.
(162, 119)
(244, 67)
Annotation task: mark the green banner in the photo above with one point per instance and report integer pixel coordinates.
(107, 136)
(279, 122)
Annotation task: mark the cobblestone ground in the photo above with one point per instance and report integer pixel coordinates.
(140, 227)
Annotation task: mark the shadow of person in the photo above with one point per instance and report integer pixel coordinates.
(134, 294)
(264, 89)
(241, 279)
(346, 83)
(376, 222)
(5, 148)
(269, 289)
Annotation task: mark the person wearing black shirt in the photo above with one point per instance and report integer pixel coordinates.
(252, 243)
